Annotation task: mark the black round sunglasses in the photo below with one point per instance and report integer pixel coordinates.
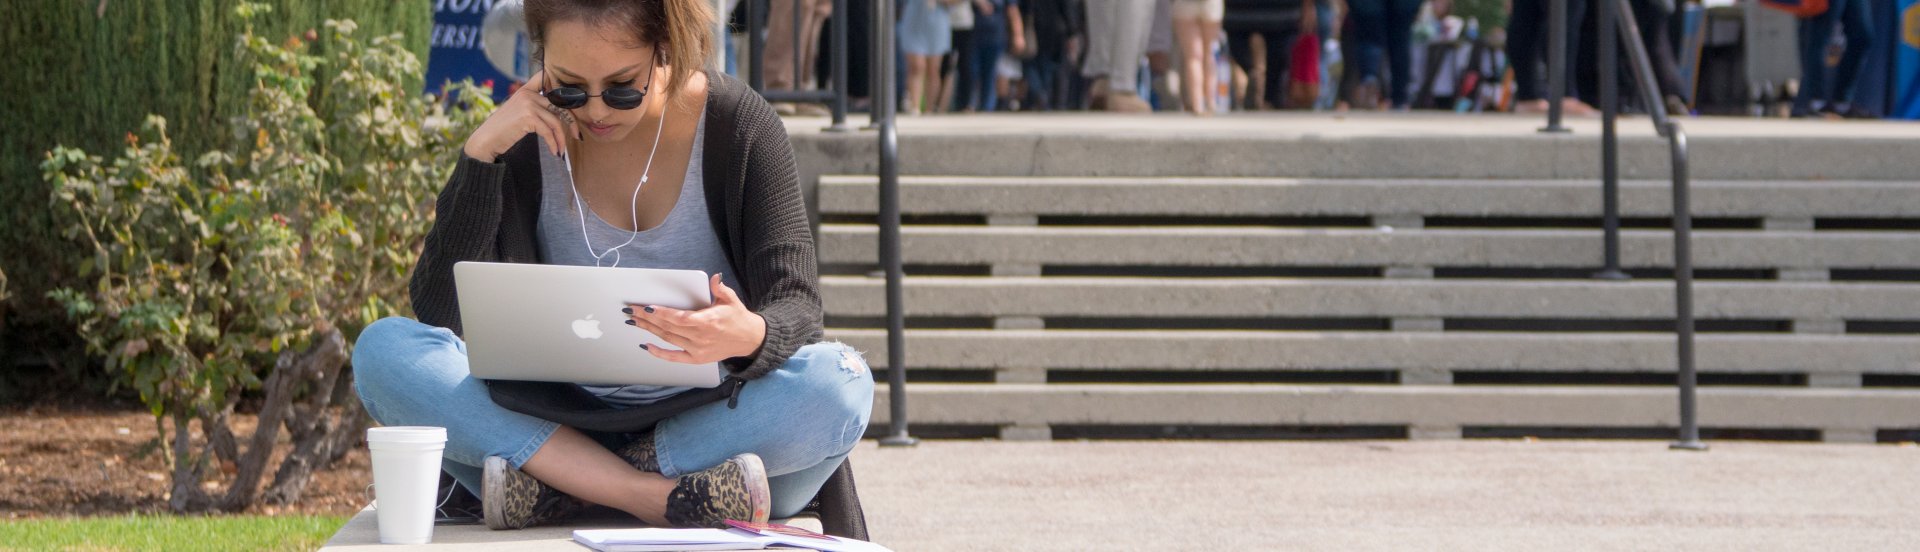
(622, 97)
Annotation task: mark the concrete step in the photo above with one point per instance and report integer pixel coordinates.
(1242, 197)
(1827, 359)
(1030, 410)
(1370, 298)
(856, 244)
(1354, 145)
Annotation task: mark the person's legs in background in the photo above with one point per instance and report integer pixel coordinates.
(1194, 61)
(778, 51)
(1160, 52)
(986, 56)
(1323, 11)
(918, 77)
(1279, 65)
(1399, 33)
(1526, 43)
(1655, 33)
(1816, 33)
(960, 72)
(1856, 24)
(1100, 39)
(1369, 18)
(1040, 75)
(1132, 22)
(781, 72)
(1240, 50)
(815, 20)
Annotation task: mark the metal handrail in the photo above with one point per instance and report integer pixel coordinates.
(836, 98)
(882, 68)
(885, 103)
(1556, 66)
(1642, 70)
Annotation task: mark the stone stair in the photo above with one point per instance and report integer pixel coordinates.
(1062, 307)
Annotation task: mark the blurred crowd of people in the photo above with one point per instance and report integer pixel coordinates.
(1210, 56)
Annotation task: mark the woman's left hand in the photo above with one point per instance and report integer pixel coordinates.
(724, 330)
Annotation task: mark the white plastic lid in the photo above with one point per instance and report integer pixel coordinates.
(407, 434)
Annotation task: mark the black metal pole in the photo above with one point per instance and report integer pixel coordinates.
(883, 93)
(1683, 292)
(879, 12)
(840, 19)
(756, 46)
(1556, 66)
(1609, 139)
(801, 9)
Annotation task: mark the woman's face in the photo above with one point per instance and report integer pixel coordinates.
(594, 57)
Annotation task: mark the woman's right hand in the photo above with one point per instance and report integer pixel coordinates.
(524, 112)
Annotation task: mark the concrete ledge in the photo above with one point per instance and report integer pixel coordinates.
(1124, 297)
(1846, 356)
(1397, 145)
(363, 533)
(1259, 246)
(1185, 196)
(1402, 405)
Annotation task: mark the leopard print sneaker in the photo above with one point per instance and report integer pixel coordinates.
(639, 454)
(511, 499)
(735, 489)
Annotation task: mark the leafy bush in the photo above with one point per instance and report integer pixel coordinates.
(82, 73)
(249, 269)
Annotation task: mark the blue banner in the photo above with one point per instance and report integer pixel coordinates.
(456, 52)
(1906, 63)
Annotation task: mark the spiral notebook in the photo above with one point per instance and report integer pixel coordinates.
(741, 536)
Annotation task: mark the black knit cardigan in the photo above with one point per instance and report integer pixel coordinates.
(488, 212)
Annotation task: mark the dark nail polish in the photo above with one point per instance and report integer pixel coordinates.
(630, 323)
(644, 346)
(649, 309)
(628, 310)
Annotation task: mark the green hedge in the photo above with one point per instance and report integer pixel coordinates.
(83, 73)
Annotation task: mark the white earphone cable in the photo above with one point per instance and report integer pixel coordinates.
(633, 204)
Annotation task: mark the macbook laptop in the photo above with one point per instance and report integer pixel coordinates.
(563, 323)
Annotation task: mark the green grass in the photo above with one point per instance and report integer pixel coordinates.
(161, 532)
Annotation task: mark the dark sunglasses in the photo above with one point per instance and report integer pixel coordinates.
(622, 98)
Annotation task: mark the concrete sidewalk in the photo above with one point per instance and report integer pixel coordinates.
(1390, 495)
(1381, 495)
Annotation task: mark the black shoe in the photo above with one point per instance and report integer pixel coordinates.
(734, 490)
(511, 499)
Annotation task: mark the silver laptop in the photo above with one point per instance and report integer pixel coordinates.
(563, 323)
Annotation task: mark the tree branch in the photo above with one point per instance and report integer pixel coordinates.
(288, 371)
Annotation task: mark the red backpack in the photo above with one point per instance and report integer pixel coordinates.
(1799, 8)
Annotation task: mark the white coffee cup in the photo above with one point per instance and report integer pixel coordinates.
(406, 476)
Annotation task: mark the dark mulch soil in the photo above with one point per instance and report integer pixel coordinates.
(68, 460)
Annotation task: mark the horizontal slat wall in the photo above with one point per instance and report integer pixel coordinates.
(1095, 350)
(1442, 307)
(1432, 410)
(1382, 298)
(1253, 246)
(1314, 197)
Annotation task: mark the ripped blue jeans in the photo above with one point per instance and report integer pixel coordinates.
(802, 418)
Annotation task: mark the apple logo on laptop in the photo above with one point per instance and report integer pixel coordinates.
(587, 328)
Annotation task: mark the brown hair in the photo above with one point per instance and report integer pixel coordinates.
(680, 30)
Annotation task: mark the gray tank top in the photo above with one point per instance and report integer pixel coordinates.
(685, 240)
